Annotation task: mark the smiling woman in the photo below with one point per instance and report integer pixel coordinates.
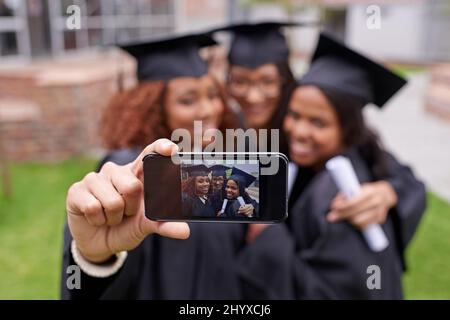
(324, 120)
(190, 99)
(314, 127)
(197, 190)
(260, 80)
(174, 90)
(152, 110)
(257, 91)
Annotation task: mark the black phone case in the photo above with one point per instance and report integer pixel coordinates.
(163, 196)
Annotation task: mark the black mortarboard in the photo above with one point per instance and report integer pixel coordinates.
(219, 170)
(169, 58)
(256, 44)
(337, 67)
(197, 170)
(243, 177)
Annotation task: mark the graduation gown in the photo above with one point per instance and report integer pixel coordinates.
(206, 266)
(217, 200)
(330, 260)
(311, 258)
(411, 204)
(194, 206)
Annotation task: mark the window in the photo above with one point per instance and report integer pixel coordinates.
(36, 27)
(14, 36)
(110, 22)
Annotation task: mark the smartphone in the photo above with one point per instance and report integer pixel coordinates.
(216, 187)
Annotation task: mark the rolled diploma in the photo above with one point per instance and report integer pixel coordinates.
(242, 203)
(224, 205)
(344, 176)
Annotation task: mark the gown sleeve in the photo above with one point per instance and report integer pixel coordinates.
(411, 196)
(91, 288)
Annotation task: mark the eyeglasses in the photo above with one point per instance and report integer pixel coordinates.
(240, 87)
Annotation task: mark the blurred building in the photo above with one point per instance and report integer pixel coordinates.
(410, 30)
(55, 78)
(35, 28)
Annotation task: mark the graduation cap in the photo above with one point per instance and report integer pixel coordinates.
(245, 179)
(197, 170)
(172, 57)
(335, 66)
(256, 44)
(219, 170)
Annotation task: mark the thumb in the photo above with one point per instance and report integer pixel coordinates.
(163, 147)
(175, 230)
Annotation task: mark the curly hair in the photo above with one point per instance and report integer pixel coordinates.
(136, 117)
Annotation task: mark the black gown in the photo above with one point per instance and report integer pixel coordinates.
(305, 258)
(195, 207)
(331, 260)
(217, 200)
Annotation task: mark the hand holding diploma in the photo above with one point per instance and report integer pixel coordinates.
(245, 209)
(345, 178)
(241, 201)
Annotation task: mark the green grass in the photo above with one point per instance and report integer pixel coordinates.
(31, 225)
(428, 256)
(407, 70)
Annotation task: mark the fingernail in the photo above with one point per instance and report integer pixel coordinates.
(173, 150)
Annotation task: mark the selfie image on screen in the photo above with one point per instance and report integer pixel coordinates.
(220, 190)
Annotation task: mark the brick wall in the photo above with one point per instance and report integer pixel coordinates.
(438, 94)
(50, 111)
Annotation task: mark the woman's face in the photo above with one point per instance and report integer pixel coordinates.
(193, 99)
(232, 189)
(202, 185)
(218, 182)
(312, 127)
(257, 91)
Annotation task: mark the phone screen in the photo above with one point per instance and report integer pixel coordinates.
(232, 189)
(222, 190)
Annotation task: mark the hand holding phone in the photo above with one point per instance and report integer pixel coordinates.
(105, 210)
